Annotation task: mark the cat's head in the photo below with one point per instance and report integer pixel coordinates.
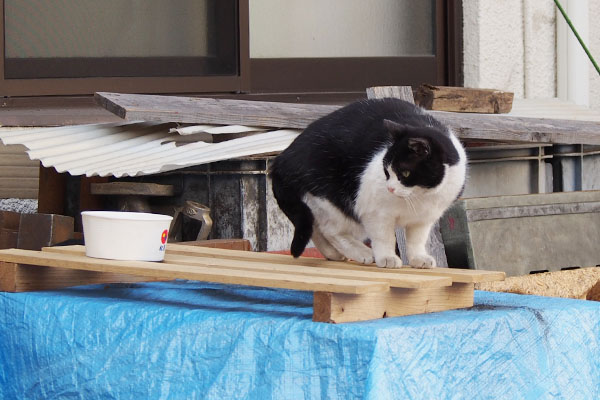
(417, 158)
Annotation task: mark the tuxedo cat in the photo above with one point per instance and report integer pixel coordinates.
(363, 170)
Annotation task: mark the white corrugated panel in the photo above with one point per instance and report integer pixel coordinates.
(140, 148)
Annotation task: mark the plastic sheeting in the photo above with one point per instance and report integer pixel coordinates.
(188, 340)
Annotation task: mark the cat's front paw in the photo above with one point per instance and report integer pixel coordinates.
(422, 261)
(363, 258)
(389, 262)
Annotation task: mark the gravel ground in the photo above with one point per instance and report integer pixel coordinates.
(27, 206)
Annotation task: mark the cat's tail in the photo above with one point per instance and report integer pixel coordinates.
(298, 213)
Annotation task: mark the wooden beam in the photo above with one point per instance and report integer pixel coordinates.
(338, 308)
(393, 279)
(457, 275)
(340, 295)
(468, 126)
(16, 277)
(25, 278)
(136, 107)
(202, 272)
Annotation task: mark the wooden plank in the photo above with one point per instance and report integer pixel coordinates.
(203, 273)
(211, 111)
(520, 129)
(21, 182)
(132, 188)
(27, 278)
(18, 193)
(17, 160)
(290, 115)
(337, 308)
(232, 244)
(399, 92)
(460, 99)
(21, 172)
(393, 279)
(457, 275)
(13, 149)
(16, 277)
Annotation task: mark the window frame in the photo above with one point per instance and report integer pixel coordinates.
(342, 79)
(154, 84)
(301, 75)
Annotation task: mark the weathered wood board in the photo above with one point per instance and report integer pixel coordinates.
(468, 126)
(343, 292)
(460, 99)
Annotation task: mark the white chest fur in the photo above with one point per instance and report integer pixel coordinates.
(419, 205)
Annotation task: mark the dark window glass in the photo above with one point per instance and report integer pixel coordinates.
(120, 38)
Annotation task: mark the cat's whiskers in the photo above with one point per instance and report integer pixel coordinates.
(409, 201)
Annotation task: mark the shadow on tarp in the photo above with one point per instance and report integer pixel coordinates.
(216, 298)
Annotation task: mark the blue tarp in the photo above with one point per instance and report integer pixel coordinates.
(188, 340)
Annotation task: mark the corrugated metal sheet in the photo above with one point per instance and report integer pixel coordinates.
(141, 148)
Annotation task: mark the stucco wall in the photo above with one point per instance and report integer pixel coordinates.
(594, 46)
(510, 45)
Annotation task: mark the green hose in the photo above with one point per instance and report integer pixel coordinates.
(562, 11)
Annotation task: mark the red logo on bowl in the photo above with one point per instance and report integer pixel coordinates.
(163, 237)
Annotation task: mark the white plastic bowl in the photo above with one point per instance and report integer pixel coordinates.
(117, 235)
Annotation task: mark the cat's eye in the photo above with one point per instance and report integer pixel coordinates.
(406, 174)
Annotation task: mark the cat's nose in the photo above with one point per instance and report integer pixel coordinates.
(390, 189)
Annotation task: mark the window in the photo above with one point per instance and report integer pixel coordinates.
(73, 46)
(224, 46)
(348, 45)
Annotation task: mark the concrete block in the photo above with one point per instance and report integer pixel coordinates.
(521, 234)
(41, 230)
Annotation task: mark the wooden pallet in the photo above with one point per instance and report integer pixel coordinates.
(343, 292)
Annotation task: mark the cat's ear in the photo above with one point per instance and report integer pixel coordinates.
(419, 146)
(393, 127)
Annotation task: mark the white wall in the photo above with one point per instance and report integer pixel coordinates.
(594, 46)
(510, 45)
